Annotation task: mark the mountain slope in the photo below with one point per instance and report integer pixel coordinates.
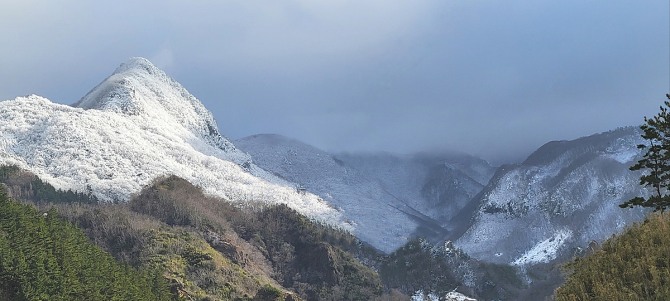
(439, 185)
(362, 200)
(138, 124)
(412, 193)
(563, 196)
(205, 248)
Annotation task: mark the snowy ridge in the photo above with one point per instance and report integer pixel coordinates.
(138, 88)
(562, 197)
(135, 126)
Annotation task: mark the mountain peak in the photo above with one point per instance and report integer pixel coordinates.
(139, 89)
(119, 91)
(138, 64)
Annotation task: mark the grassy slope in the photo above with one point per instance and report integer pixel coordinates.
(632, 266)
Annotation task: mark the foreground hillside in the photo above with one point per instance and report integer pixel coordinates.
(632, 266)
(43, 257)
(208, 249)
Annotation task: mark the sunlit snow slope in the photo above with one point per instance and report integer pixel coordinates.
(138, 124)
(563, 196)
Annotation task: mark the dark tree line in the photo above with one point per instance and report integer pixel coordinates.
(29, 187)
(43, 257)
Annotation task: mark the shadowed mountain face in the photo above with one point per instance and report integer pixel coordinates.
(439, 185)
(389, 197)
(563, 196)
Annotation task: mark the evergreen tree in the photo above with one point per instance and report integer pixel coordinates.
(656, 161)
(43, 257)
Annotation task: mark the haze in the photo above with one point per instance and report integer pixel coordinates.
(493, 78)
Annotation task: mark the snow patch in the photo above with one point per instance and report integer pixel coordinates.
(624, 156)
(545, 250)
(624, 150)
(456, 296)
(450, 296)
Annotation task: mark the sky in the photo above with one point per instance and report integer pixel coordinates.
(496, 79)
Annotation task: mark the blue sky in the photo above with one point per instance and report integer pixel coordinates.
(493, 78)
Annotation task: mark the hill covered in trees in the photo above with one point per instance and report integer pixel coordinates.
(632, 266)
(43, 257)
(203, 247)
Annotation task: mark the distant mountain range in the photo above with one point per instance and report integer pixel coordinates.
(140, 124)
(389, 198)
(562, 197)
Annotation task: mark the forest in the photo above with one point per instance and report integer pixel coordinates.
(43, 257)
(172, 242)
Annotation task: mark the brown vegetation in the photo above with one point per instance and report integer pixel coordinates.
(632, 266)
(211, 250)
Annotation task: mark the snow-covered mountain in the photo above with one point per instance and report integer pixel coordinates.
(378, 217)
(438, 185)
(388, 197)
(139, 124)
(565, 195)
(138, 88)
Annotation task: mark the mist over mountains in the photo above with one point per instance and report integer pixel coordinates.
(139, 124)
(416, 194)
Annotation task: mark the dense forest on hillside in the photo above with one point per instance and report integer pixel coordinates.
(632, 266)
(208, 249)
(421, 266)
(43, 257)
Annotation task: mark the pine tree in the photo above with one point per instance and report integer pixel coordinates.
(656, 161)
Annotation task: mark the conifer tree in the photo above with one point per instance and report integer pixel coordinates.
(656, 161)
